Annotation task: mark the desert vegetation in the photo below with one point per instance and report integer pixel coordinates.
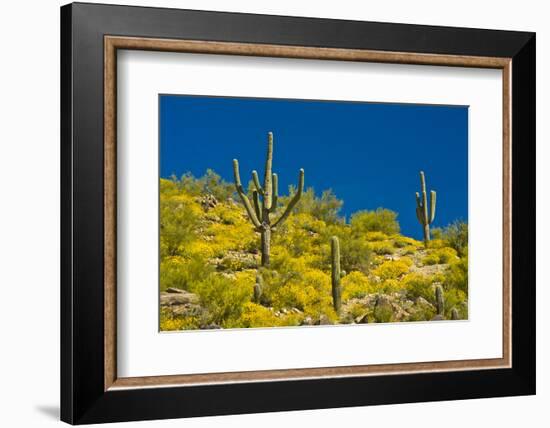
(291, 259)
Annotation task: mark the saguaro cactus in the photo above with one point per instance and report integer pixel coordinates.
(454, 314)
(336, 273)
(258, 288)
(424, 216)
(439, 300)
(265, 200)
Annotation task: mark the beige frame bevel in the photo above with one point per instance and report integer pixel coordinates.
(113, 43)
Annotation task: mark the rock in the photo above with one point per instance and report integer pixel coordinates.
(438, 318)
(323, 320)
(208, 201)
(423, 303)
(174, 290)
(362, 319)
(210, 327)
(307, 321)
(180, 297)
(296, 310)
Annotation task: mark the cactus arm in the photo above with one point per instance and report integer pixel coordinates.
(257, 184)
(293, 201)
(422, 182)
(425, 217)
(257, 206)
(419, 214)
(242, 195)
(418, 201)
(275, 186)
(432, 206)
(268, 172)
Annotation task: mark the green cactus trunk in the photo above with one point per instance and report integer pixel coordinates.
(265, 200)
(439, 300)
(265, 242)
(454, 314)
(424, 216)
(258, 288)
(336, 274)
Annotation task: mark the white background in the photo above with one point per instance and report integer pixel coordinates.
(142, 351)
(29, 234)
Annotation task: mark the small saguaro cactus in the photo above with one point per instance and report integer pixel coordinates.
(424, 216)
(258, 287)
(439, 300)
(265, 200)
(336, 273)
(454, 314)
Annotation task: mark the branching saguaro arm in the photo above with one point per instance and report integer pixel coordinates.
(425, 216)
(265, 200)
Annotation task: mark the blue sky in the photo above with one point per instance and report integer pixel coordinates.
(369, 154)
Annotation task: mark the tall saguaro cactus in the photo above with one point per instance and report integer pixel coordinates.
(336, 273)
(265, 200)
(424, 216)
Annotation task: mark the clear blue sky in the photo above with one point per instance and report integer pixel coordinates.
(369, 154)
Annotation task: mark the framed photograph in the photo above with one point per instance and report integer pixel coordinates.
(266, 213)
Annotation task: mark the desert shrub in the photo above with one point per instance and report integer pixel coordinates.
(380, 220)
(325, 208)
(424, 313)
(393, 269)
(382, 247)
(382, 313)
(405, 242)
(409, 250)
(457, 299)
(209, 184)
(179, 216)
(222, 297)
(390, 286)
(418, 285)
(182, 272)
(357, 310)
(456, 236)
(436, 243)
(168, 322)
(355, 252)
(375, 236)
(254, 315)
(456, 275)
(440, 256)
(355, 285)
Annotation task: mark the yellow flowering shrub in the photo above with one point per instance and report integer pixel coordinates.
(356, 285)
(445, 255)
(393, 269)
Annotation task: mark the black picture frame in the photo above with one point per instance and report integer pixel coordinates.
(83, 398)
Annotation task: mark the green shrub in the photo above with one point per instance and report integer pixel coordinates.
(223, 297)
(456, 236)
(457, 275)
(418, 285)
(380, 220)
(182, 273)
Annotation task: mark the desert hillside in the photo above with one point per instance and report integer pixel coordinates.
(211, 275)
